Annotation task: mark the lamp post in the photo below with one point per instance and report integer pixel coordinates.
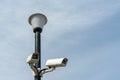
(37, 21)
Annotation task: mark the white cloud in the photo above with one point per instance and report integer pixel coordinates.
(76, 15)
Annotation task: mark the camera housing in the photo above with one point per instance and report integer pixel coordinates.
(33, 58)
(59, 62)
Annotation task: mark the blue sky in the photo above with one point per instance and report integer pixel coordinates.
(84, 31)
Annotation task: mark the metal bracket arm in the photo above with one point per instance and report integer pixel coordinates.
(46, 70)
(34, 69)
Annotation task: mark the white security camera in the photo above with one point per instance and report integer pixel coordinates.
(33, 58)
(60, 62)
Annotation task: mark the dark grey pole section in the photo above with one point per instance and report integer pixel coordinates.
(38, 50)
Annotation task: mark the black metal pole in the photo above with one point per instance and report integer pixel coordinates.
(38, 50)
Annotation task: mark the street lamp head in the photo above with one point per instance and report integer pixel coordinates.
(37, 21)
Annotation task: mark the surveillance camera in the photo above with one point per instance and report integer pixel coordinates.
(60, 62)
(33, 58)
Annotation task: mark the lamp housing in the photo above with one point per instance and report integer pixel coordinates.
(37, 21)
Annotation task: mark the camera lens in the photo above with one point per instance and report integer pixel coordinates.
(35, 56)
